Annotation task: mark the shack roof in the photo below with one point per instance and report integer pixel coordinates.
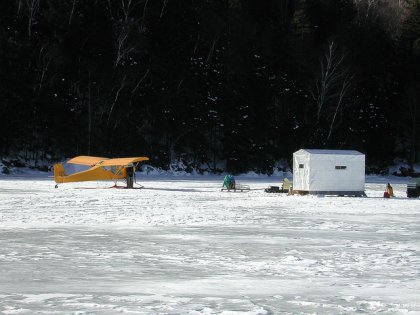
(330, 152)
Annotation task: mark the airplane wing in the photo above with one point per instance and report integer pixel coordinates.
(86, 160)
(123, 161)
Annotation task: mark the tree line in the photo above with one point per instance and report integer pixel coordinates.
(233, 85)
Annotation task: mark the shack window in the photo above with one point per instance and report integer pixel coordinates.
(340, 167)
(300, 165)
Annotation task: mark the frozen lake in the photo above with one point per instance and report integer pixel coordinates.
(181, 246)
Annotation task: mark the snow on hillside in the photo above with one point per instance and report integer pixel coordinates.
(181, 246)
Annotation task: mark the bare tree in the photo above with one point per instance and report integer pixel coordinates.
(389, 13)
(123, 49)
(125, 23)
(32, 8)
(331, 89)
(331, 73)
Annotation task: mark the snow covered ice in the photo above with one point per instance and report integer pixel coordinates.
(181, 246)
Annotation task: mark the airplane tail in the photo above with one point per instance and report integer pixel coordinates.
(59, 172)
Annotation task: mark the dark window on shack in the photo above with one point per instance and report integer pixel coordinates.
(300, 165)
(340, 167)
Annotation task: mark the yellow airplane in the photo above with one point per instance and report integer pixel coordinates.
(100, 169)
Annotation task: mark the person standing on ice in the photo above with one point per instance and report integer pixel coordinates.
(232, 182)
(129, 171)
(229, 182)
(226, 182)
(389, 191)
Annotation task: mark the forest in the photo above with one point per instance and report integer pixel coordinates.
(221, 85)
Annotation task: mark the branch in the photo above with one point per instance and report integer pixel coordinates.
(211, 51)
(116, 98)
(140, 81)
(144, 15)
(165, 3)
(344, 88)
(72, 11)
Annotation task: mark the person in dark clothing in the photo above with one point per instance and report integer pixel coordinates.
(129, 174)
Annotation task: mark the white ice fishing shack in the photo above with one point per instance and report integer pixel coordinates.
(329, 172)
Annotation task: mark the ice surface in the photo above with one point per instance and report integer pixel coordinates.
(181, 246)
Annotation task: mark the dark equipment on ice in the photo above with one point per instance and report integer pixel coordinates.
(285, 188)
(273, 189)
(413, 189)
